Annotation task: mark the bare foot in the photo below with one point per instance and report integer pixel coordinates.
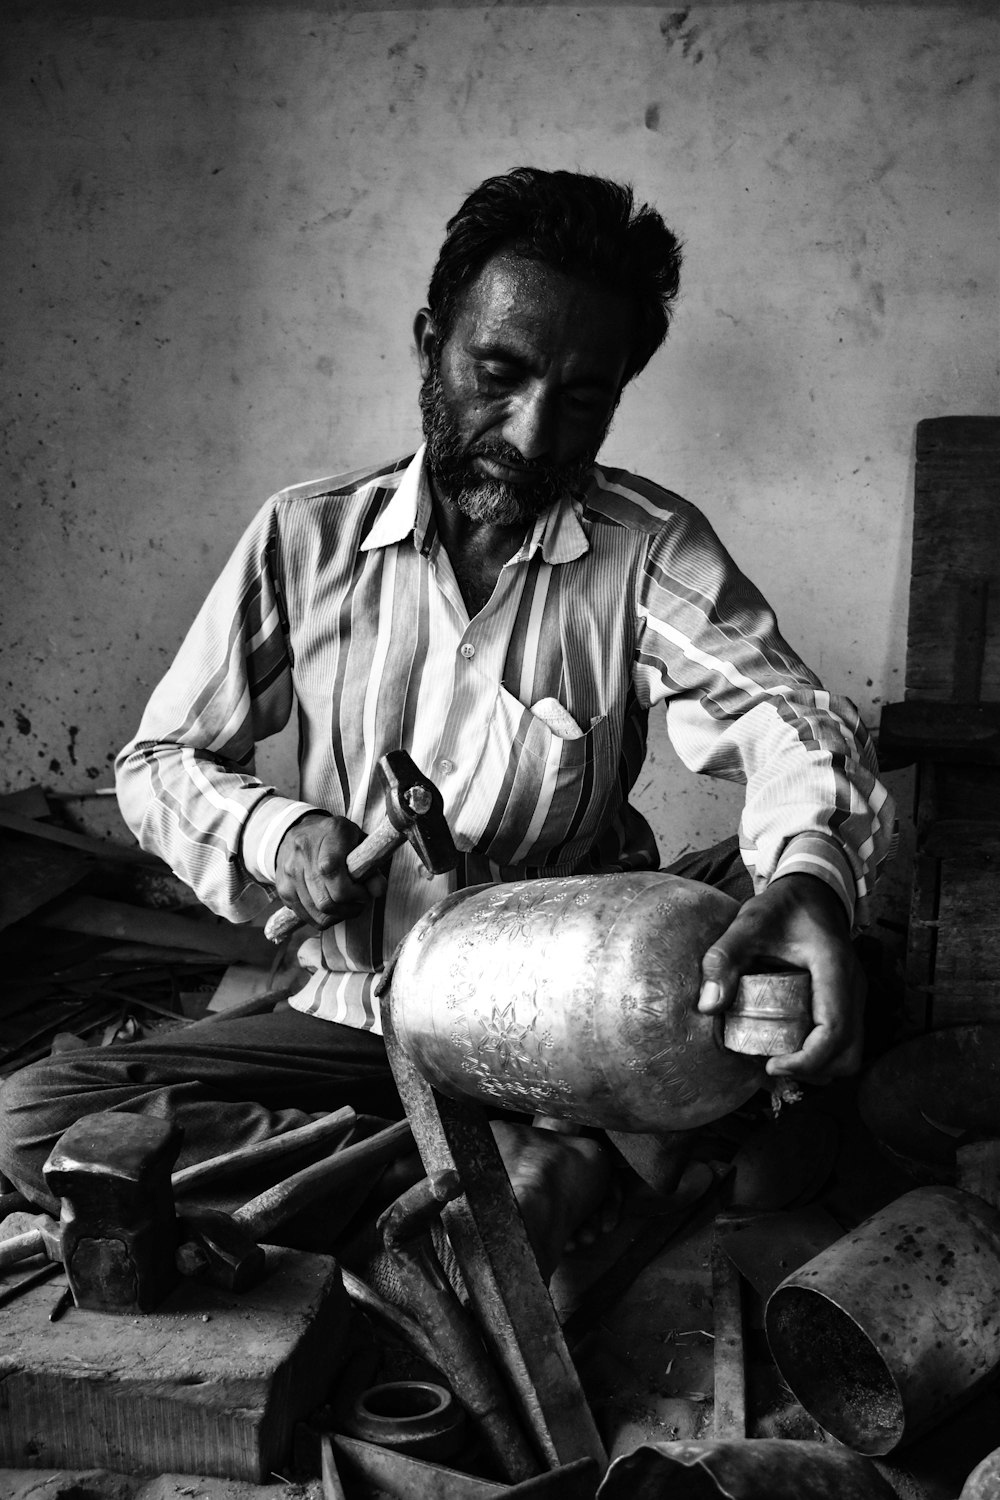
(560, 1183)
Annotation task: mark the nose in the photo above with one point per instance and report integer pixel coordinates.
(530, 425)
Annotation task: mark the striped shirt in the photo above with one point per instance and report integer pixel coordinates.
(340, 602)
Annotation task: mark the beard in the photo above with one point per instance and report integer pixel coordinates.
(451, 463)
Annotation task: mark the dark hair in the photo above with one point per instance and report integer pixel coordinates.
(583, 225)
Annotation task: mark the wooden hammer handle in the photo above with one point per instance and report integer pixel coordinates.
(276, 1204)
(21, 1247)
(41, 1238)
(362, 860)
(260, 1153)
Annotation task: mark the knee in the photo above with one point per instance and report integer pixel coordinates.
(26, 1134)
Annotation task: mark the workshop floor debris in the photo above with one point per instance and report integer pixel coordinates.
(648, 1312)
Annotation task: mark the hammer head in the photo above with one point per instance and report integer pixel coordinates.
(217, 1249)
(415, 809)
(117, 1226)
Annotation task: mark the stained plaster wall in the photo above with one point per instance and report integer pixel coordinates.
(219, 220)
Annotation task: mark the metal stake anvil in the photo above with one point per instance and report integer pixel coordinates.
(118, 1228)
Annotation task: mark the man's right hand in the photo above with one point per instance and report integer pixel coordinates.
(311, 871)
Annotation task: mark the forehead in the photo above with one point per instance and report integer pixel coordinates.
(537, 312)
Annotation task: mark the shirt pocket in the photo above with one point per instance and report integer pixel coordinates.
(543, 799)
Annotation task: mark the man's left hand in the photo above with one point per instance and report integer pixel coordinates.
(798, 920)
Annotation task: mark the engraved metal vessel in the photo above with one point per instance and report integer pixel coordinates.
(573, 997)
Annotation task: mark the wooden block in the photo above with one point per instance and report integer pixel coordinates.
(975, 842)
(921, 943)
(961, 732)
(968, 945)
(962, 790)
(211, 1383)
(959, 1004)
(953, 636)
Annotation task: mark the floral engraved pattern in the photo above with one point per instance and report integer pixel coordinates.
(512, 1042)
(532, 1094)
(668, 1078)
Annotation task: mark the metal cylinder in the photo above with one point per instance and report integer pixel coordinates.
(770, 1015)
(881, 1335)
(575, 997)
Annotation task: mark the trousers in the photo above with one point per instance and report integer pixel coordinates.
(230, 1083)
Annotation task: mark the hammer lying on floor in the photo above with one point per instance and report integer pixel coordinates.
(119, 1236)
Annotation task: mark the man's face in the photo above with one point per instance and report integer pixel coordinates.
(517, 400)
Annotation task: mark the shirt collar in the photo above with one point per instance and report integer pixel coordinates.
(557, 531)
(409, 508)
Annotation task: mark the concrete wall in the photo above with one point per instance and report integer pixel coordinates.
(219, 220)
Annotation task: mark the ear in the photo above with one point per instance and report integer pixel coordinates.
(426, 339)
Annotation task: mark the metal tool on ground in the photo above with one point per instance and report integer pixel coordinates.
(414, 813)
(32, 1279)
(391, 1319)
(329, 1473)
(499, 1269)
(459, 1352)
(397, 1476)
(729, 1365)
(225, 1249)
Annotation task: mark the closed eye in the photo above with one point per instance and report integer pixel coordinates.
(501, 374)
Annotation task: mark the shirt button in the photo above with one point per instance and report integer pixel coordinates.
(468, 651)
(446, 766)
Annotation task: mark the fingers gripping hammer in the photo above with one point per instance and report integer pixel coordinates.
(414, 812)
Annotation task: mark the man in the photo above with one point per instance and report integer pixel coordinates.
(507, 611)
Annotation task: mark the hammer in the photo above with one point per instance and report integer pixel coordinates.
(414, 811)
(225, 1249)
